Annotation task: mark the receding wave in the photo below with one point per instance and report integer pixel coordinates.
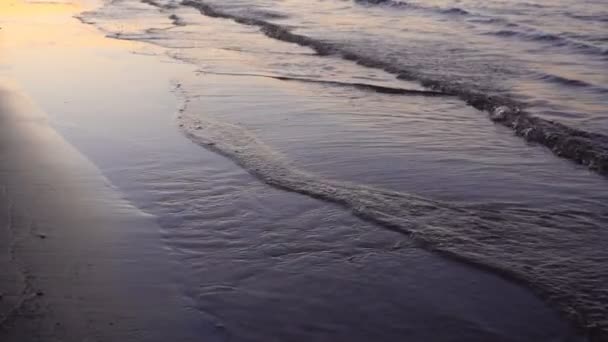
(158, 4)
(524, 33)
(407, 5)
(553, 39)
(361, 86)
(176, 20)
(602, 18)
(560, 255)
(384, 2)
(573, 83)
(590, 149)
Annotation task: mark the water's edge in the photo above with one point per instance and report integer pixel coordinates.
(444, 224)
(586, 148)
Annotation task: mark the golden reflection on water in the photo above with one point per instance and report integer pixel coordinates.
(37, 37)
(38, 23)
(36, 8)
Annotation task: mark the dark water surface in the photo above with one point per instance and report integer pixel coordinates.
(381, 107)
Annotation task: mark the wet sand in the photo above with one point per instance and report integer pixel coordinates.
(83, 264)
(79, 262)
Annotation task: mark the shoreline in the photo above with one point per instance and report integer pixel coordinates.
(111, 211)
(82, 263)
(73, 242)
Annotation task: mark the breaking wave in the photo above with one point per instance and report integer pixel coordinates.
(553, 39)
(589, 149)
(407, 5)
(522, 32)
(361, 86)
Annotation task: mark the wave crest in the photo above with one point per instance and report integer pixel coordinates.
(589, 149)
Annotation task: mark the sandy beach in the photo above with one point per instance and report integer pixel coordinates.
(79, 262)
(116, 225)
(83, 264)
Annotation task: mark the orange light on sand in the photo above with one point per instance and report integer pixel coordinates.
(33, 23)
(44, 33)
(32, 8)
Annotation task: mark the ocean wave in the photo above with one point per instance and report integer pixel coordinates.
(525, 33)
(590, 149)
(402, 4)
(176, 20)
(601, 17)
(573, 83)
(155, 3)
(552, 39)
(361, 86)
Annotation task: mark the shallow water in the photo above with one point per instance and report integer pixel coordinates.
(328, 118)
(483, 73)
